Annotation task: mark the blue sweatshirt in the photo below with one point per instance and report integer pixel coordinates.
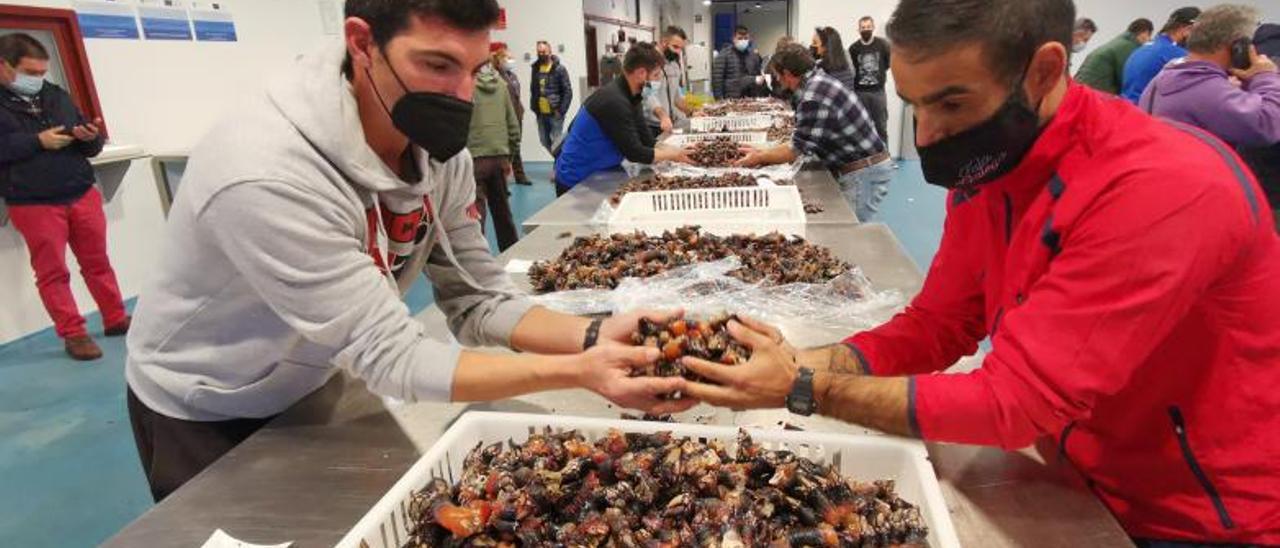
(609, 128)
(1145, 64)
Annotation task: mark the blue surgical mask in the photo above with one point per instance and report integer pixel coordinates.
(742, 45)
(651, 87)
(27, 85)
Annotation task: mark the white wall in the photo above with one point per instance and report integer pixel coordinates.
(162, 96)
(559, 22)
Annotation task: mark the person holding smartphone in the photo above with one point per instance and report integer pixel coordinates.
(47, 183)
(1224, 86)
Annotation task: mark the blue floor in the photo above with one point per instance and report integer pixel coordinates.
(70, 472)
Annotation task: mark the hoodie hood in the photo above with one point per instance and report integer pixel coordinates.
(488, 81)
(317, 99)
(1180, 76)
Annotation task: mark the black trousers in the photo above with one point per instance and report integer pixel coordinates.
(491, 194)
(877, 105)
(562, 190)
(173, 451)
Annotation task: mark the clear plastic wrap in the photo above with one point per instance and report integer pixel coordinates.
(843, 305)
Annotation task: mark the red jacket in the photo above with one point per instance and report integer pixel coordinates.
(1128, 273)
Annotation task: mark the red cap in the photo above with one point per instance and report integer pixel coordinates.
(495, 46)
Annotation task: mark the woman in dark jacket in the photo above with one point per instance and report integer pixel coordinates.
(828, 50)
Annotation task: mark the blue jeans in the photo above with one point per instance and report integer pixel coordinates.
(550, 126)
(866, 188)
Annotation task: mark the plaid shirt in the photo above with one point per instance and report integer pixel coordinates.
(831, 123)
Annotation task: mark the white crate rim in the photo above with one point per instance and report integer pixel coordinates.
(933, 508)
(737, 210)
(736, 121)
(741, 137)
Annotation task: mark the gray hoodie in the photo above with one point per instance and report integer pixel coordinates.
(268, 279)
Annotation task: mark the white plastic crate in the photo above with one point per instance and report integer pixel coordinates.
(864, 458)
(686, 139)
(720, 211)
(709, 124)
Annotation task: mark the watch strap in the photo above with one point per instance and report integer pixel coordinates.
(593, 334)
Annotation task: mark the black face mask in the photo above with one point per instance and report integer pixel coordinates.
(867, 34)
(438, 123)
(987, 151)
(543, 59)
(672, 56)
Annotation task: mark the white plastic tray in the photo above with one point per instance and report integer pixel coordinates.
(862, 457)
(713, 124)
(719, 211)
(748, 138)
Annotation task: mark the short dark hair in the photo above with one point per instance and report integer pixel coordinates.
(835, 59)
(1139, 26)
(866, 18)
(14, 47)
(1086, 24)
(386, 18)
(792, 58)
(741, 29)
(1181, 18)
(673, 31)
(1009, 31)
(643, 55)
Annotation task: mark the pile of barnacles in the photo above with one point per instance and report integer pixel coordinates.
(717, 152)
(655, 490)
(602, 262)
(730, 107)
(708, 340)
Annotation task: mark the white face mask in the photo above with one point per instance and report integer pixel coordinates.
(742, 45)
(1079, 47)
(26, 85)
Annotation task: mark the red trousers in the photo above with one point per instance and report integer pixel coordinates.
(48, 230)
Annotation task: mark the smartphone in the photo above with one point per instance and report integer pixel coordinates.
(1240, 53)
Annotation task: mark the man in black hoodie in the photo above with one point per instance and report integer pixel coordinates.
(1266, 161)
(47, 183)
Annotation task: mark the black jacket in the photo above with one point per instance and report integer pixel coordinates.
(29, 174)
(733, 74)
(559, 88)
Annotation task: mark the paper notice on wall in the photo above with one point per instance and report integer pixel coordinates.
(212, 22)
(103, 19)
(164, 20)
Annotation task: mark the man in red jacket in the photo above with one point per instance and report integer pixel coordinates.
(1126, 270)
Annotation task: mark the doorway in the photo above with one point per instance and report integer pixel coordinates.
(593, 52)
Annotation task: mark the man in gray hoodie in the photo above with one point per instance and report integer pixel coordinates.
(303, 219)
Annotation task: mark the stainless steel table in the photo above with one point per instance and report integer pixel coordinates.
(312, 473)
(578, 205)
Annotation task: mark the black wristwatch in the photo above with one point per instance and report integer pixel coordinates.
(801, 400)
(593, 334)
